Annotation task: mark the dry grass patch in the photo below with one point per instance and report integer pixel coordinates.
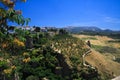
(103, 64)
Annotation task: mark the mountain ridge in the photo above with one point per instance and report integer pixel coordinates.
(78, 29)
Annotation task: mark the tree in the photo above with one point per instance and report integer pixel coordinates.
(63, 31)
(8, 13)
(89, 43)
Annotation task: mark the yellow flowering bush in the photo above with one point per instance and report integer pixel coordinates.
(4, 45)
(13, 67)
(25, 54)
(26, 60)
(7, 71)
(18, 42)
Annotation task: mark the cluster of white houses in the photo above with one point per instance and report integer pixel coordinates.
(11, 29)
(50, 30)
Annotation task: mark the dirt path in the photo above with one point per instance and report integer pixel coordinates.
(83, 56)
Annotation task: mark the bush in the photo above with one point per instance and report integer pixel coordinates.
(42, 63)
(3, 65)
(32, 78)
(107, 49)
(117, 60)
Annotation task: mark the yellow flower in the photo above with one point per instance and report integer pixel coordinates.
(7, 71)
(25, 54)
(13, 67)
(8, 60)
(18, 42)
(4, 45)
(26, 60)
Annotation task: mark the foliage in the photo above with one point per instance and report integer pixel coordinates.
(8, 13)
(112, 34)
(57, 37)
(114, 41)
(17, 18)
(3, 64)
(89, 38)
(32, 78)
(108, 49)
(11, 45)
(62, 53)
(63, 32)
(21, 34)
(117, 60)
(97, 47)
(37, 64)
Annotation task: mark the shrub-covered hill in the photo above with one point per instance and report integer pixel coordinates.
(71, 48)
(50, 58)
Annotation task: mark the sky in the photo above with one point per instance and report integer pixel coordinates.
(104, 14)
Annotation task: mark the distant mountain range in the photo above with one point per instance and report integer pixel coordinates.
(79, 29)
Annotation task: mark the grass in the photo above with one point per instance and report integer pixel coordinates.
(89, 38)
(105, 49)
(114, 41)
(97, 47)
(109, 48)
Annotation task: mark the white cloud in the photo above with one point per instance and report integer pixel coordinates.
(111, 20)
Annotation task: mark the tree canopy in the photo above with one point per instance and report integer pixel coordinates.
(9, 14)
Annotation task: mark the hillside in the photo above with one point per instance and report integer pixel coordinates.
(72, 50)
(104, 54)
(40, 55)
(109, 47)
(104, 65)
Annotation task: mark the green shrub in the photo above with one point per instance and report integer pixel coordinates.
(108, 50)
(89, 38)
(117, 60)
(32, 78)
(105, 49)
(75, 60)
(3, 64)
